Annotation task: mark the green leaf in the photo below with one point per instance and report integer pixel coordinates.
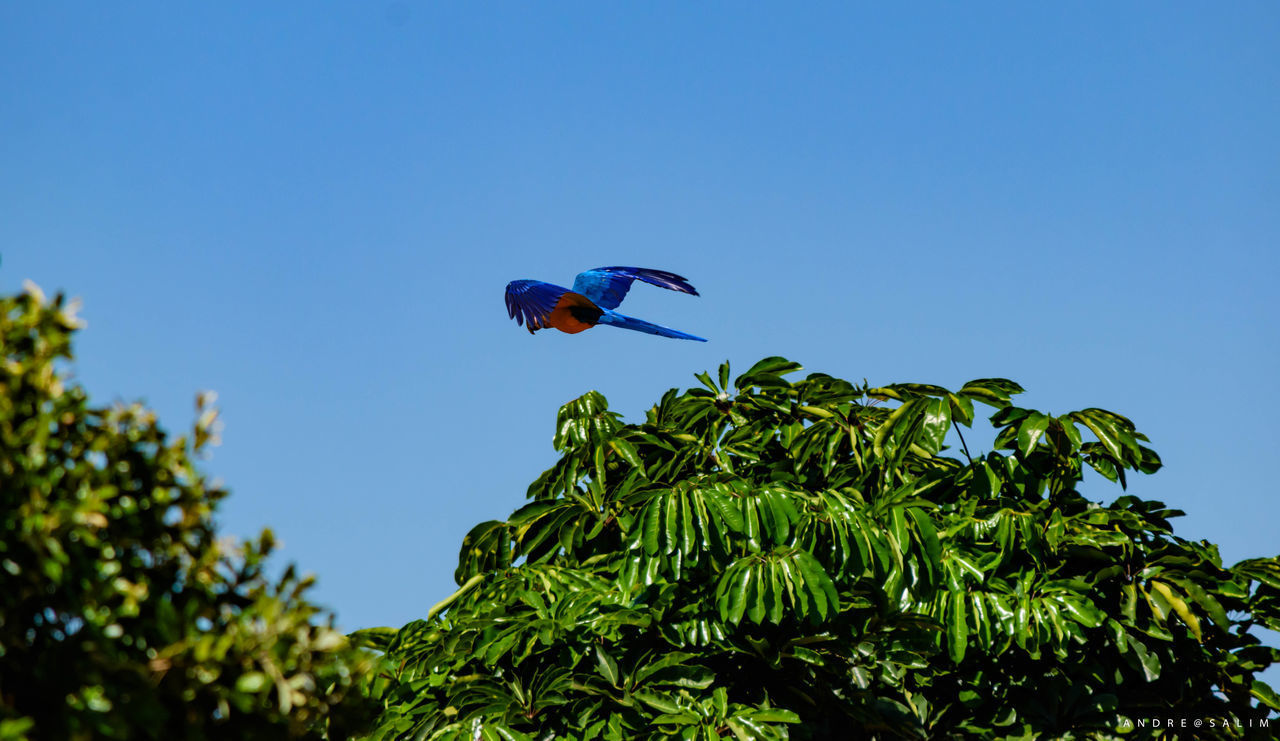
(994, 392)
(1265, 570)
(1070, 430)
(928, 536)
(665, 661)
(756, 729)
(897, 422)
(1149, 661)
(774, 366)
(937, 420)
(1263, 692)
(627, 452)
(1160, 606)
(1031, 430)
(774, 715)
(607, 667)
(688, 533)
(684, 718)
(733, 589)
(690, 677)
(1207, 602)
(658, 702)
(821, 589)
(729, 514)
(961, 409)
(1104, 466)
(652, 525)
(1104, 430)
(779, 513)
(376, 638)
(965, 565)
(671, 521)
(1179, 606)
(756, 594)
(776, 590)
(919, 389)
(981, 618)
(1082, 610)
(1129, 601)
(957, 628)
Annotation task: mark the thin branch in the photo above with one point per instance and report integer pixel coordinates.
(963, 443)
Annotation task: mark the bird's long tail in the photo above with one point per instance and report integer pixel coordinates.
(629, 322)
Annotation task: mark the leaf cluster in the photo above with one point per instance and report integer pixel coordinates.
(767, 558)
(122, 614)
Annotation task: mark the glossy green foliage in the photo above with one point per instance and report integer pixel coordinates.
(769, 558)
(122, 615)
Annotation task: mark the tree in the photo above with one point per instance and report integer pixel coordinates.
(806, 559)
(121, 613)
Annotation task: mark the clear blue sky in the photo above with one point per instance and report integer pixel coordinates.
(313, 210)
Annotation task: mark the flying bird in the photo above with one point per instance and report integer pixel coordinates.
(595, 295)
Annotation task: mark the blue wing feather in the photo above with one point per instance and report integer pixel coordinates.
(614, 319)
(606, 287)
(530, 302)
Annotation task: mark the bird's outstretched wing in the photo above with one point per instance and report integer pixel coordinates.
(606, 287)
(530, 302)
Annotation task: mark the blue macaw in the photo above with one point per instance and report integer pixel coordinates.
(595, 295)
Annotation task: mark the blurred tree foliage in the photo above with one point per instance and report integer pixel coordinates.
(121, 613)
(764, 558)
